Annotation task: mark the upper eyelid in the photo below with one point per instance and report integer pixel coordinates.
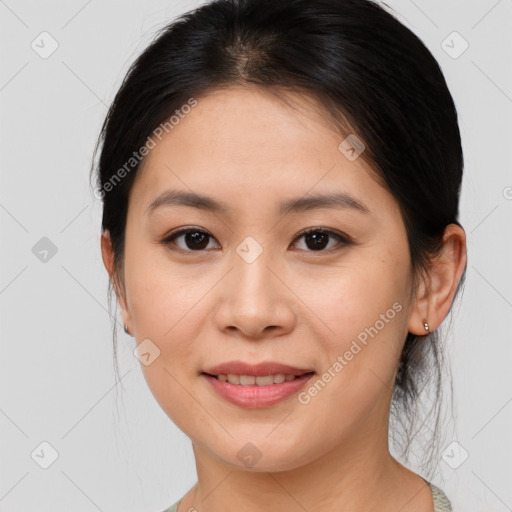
(182, 231)
(323, 230)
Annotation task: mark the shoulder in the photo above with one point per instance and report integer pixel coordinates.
(172, 508)
(441, 502)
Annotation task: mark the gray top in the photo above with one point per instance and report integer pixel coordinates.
(441, 502)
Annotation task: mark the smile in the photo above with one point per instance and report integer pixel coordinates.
(253, 392)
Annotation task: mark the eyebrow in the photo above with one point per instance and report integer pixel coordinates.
(301, 204)
(332, 200)
(191, 199)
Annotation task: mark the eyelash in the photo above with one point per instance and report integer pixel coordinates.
(343, 240)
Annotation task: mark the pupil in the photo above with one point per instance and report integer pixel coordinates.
(319, 240)
(196, 238)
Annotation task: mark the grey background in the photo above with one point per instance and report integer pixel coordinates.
(117, 451)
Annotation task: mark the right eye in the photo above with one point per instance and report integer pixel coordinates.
(194, 240)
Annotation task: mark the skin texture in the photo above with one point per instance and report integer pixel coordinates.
(245, 147)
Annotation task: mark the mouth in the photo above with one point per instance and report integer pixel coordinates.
(256, 386)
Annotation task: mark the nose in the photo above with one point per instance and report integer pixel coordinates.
(255, 300)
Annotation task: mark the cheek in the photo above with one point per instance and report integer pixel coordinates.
(364, 310)
(162, 295)
(166, 308)
(350, 299)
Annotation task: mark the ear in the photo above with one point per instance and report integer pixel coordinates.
(107, 253)
(437, 290)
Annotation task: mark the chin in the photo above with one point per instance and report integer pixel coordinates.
(264, 456)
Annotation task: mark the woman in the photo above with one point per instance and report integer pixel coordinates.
(280, 183)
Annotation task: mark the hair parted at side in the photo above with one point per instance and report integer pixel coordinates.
(368, 71)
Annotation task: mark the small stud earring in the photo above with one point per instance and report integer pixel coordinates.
(425, 324)
(126, 330)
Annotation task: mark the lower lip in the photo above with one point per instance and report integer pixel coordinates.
(257, 396)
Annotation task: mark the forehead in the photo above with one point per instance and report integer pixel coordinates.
(247, 142)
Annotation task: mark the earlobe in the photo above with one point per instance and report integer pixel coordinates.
(438, 289)
(420, 323)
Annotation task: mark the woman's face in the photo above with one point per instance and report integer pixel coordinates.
(255, 290)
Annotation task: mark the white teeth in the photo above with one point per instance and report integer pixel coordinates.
(247, 380)
(280, 377)
(264, 380)
(251, 380)
(233, 379)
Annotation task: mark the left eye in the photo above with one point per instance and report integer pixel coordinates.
(317, 239)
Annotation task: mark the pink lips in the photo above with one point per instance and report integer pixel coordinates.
(254, 396)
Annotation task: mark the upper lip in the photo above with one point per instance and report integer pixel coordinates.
(260, 369)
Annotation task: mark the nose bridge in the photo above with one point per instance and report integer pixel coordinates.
(254, 298)
(252, 278)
